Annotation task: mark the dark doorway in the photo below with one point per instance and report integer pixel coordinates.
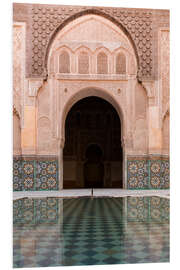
(92, 155)
(93, 167)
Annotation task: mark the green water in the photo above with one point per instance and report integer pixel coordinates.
(85, 231)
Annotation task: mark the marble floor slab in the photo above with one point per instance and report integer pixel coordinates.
(124, 192)
(61, 193)
(67, 193)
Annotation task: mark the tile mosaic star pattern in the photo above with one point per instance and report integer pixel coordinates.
(28, 175)
(46, 175)
(138, 174)
(35, 175)
(159, 174)
(148, 174)
(17, 175)
(92, 232)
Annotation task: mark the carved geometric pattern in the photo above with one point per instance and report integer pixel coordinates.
(46, 19)
(148, 173)
(165, 64)
(149, 209)
(17, 58)
(35, 175)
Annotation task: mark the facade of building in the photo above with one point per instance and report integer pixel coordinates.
(90, 97)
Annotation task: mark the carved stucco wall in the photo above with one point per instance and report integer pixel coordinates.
(165, 68)
(90, 34)
(43, 134)
(140, 124)
(18, 83)
(46, 100)
(18, 61)
(18, 66)
(83, 47)
(166, 133)
(43, 21)
(46, 144)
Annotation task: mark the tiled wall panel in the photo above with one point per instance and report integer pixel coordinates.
(146, 173)
(35, 174)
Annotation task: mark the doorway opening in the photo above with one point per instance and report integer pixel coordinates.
(93, 167)
(92, 155)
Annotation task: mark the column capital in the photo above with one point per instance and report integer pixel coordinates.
(34, 85)
(149, 86)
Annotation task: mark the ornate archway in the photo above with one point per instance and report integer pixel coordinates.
(92, 154)
(89, 74)
(83, 14)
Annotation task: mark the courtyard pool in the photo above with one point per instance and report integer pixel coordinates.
(90, 231)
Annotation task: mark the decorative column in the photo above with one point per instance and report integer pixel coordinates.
(155, 138)
(28, 135)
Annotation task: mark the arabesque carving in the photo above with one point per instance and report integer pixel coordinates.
(46, 20)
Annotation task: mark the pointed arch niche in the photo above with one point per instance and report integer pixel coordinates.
(94, 32)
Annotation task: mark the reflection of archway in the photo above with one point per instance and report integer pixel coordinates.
(90, 123)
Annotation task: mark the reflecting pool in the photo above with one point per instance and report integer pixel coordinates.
(90, 231)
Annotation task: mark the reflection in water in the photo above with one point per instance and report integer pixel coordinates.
(83, 231)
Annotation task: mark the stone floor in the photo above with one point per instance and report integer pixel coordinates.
(51, 232)
(89, 192)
